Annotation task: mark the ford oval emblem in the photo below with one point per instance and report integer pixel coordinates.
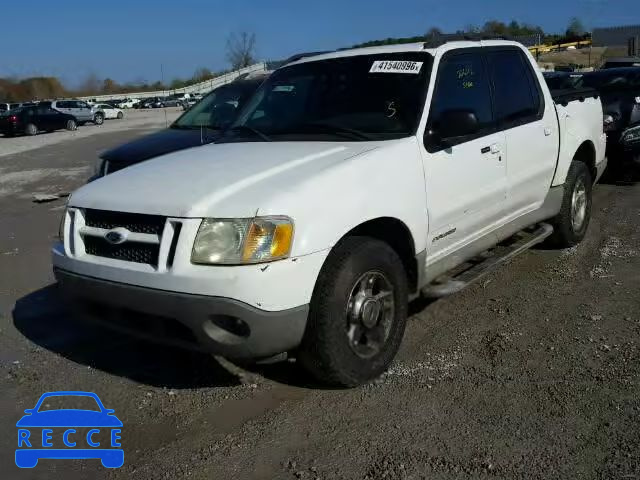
(116, 236)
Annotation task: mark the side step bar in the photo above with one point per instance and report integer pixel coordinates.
(458, 280)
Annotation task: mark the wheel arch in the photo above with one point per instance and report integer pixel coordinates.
(586, 154)
(583, 151)
(395, 233)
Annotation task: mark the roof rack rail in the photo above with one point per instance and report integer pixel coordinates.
(298, 56)
(454, 37)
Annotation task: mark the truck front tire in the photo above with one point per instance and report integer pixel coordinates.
(357, 315)
(571, 224)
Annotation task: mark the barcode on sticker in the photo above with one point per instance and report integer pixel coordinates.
(395, 66)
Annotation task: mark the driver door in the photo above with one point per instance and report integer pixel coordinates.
(466, 181)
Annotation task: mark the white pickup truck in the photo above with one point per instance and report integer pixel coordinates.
(352, 182)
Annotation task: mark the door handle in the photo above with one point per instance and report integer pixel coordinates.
(495, 148)
(485, 150)
(547, 132)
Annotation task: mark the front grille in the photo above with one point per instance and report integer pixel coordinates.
(129, 251)
(134, 222)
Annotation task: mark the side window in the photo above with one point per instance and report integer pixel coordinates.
(462, 84)
(517, 98)
(62, 104)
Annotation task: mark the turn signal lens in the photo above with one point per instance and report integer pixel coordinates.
(268, 238)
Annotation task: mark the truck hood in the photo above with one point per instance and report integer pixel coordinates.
(223, 180)
(159, 143)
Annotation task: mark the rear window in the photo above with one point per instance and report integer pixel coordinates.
(516, 96)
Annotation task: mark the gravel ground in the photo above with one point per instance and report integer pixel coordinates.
(532, 373)
(133, 119)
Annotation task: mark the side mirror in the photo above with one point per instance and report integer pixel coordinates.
(453, 125)
(29, 411)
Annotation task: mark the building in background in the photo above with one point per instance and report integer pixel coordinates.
(626, 36)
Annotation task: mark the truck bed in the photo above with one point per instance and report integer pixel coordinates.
(565, 96)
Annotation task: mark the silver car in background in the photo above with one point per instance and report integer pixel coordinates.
(82, 111)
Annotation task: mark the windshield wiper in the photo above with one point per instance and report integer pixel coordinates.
(246, 128)
(336, 129)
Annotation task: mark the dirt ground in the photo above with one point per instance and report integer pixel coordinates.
(533, 373)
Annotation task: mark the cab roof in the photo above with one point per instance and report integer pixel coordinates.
(404, 47)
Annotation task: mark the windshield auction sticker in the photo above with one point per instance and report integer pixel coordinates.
(393, 66)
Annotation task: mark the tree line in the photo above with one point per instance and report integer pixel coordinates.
(575, 31)
(240, 52)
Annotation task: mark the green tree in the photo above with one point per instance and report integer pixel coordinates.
(575, 28)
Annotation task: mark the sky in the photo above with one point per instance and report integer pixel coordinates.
(130, 40)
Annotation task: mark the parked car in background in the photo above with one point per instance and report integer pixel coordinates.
(621, 62)
(620, 92)
(110, 112)
(153, 102)
(338, 194)
(630, 141)
(200, 125)
(80, 110)
(33, 119)
(5, 107)
(188, 103)
(128, 103)
(173, 100)
(197, 96)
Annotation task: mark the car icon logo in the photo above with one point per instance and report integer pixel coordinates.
(69, 433)
(117, 236)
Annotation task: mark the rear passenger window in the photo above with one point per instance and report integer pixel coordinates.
(517, 99)
(462, 84)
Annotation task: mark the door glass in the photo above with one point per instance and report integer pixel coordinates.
(516, 98)
(462, 84)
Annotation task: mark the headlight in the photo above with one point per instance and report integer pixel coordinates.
(632, 135)
(242, 240)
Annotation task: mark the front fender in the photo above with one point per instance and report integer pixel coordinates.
(385, 182)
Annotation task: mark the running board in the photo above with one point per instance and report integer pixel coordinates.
(476, 269)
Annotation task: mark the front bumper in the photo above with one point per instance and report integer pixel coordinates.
(217, 325)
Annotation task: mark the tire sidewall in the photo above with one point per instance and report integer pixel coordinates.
(31, 129)
(578, 171)
(327, 318)
(564, 235)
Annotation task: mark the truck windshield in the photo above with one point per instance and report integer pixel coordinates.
(367, 97)
(217, 110)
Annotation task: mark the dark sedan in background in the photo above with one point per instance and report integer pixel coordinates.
(620, 91)
(33, 119)
(201, 124)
